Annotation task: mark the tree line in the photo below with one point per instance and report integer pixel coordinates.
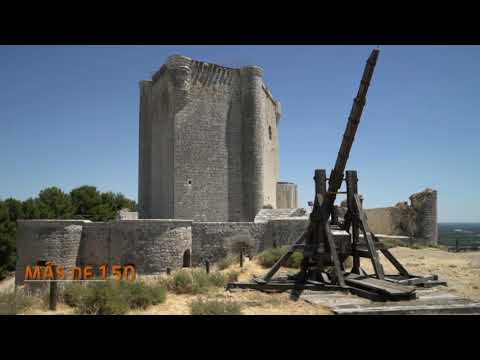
(84, 202)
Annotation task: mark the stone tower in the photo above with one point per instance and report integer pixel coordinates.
(425, 205)
(208, 142)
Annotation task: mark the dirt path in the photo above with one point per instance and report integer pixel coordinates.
(460, 270)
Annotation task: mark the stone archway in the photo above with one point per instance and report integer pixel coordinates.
(186, 258)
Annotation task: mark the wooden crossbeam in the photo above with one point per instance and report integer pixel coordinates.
(283, 259)
(366, 233)
(334, 255)
(393, 260)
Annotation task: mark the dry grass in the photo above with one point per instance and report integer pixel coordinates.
(461, 270)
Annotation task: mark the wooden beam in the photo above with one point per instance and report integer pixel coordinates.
(370, 244)
(352, 189)
(334, 255)
(285, 257)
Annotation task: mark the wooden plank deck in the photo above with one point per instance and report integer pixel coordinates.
(429, 301)
(388, 289)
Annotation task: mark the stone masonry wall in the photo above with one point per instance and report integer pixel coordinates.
(152, 245)
(425, 205)
(213, 241)
(43, 240)
(207, 134)
(385, 220)
(287, 197)
(208, 142)
(419, 218)
(286, 231)
(95, 245)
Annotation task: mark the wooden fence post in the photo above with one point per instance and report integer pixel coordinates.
(53, 291)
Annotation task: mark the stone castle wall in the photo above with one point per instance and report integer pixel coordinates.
(425, 205)
(387, 220)
(151, 245)
(419, 219)
(44, 240)
(215, 240)
(208, 142)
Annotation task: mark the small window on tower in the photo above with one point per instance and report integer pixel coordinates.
(189, 182)
(270, 132)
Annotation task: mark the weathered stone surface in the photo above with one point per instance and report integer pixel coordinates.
(418, 220)
(126, 214)
(214, 240)
(43, 240)
(208, 142)
(425, 206)
(152, 245)
(271, 214)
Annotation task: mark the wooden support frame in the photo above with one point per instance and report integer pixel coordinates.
(377, 266)
(352, 219)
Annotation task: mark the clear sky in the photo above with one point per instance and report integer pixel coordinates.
(69, 117)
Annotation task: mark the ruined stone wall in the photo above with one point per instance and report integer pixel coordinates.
(43, 240)
(385, 220)
(425, 205)
(213, 241)
(205, 147)
(419, 218)
(287, 197)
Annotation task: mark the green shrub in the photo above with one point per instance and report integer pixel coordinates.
(113, 297)
(142, 296)
(295, 260)
(72, 293)
(391, 243)
(181, 282)
(228, 261)
(195, 281)
(218, 279)
(269, 257)
(214, 307)
(12, 302)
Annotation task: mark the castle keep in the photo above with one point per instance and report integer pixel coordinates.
(208, 143)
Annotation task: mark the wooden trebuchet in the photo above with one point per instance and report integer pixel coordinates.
(336, 175)
(322, 266)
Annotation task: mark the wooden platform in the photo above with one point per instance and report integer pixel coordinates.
(386, 289)
(431, 301)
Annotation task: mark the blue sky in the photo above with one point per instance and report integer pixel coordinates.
(69, 117)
